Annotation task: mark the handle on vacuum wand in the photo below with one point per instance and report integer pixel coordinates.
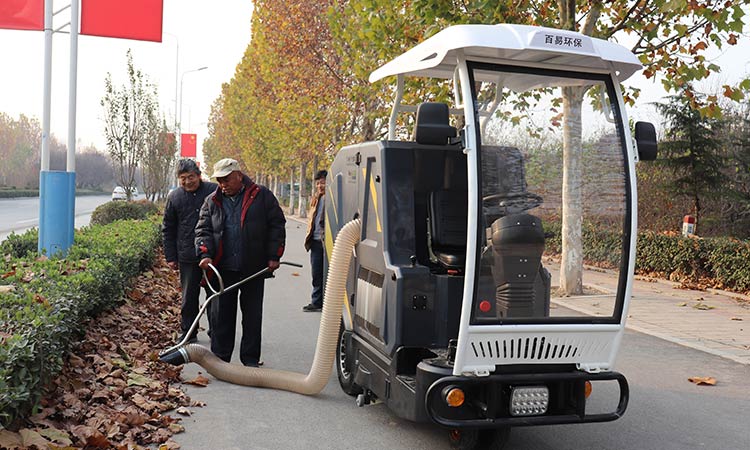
(215, 294)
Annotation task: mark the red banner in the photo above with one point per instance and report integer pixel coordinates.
(188, 148)
(22, 14)
(126, 19)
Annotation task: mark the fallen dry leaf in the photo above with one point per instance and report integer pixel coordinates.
(169, 445)
(31, 437)
(682, 304)
(184, 411)
(295, 274)
(55, 435)
(702, 306)
(703, 381)
(736, 318)
(112, 392)
(200, 380)
(10, 440)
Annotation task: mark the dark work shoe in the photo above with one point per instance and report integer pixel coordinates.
(311, 308)
(252, 364)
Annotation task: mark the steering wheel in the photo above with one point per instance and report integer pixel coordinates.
(513, 197)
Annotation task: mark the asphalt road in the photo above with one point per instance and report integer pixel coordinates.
(666, 411)
(20, 214)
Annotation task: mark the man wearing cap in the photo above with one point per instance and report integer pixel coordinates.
(240, 231)
(178, 232)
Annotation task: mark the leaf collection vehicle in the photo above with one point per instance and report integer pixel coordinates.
(470, 214)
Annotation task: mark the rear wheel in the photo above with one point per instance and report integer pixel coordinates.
(345, 365)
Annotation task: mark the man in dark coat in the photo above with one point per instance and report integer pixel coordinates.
(178, 232)
(240, 231)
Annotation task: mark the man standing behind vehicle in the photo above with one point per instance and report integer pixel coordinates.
(178, 231)
(240, 231)
(314, 241)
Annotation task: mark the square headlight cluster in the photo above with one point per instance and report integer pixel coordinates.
(529, 400)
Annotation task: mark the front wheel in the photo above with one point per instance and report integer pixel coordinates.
(345, 364)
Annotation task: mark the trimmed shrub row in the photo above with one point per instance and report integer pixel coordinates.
(722, 262)
(44, 303)
(16, 193)
(111, 211)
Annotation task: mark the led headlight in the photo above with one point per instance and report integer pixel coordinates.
(529, 400)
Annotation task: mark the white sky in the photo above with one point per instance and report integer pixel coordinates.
(212, 34)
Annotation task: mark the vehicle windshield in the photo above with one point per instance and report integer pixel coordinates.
(554, 193)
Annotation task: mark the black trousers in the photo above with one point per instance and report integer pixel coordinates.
(316, 266)
(190, 284)
(223, 318)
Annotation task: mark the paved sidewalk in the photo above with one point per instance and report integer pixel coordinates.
(713, 321)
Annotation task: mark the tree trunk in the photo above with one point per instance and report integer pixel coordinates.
(571, 266)
(291, 191)
(302, 190)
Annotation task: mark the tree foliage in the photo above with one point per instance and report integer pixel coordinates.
(128, 120)
(20, 141)
(691, 148)
(158, 159)
(282, 107)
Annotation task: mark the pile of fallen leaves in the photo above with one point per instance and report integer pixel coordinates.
(113, 391)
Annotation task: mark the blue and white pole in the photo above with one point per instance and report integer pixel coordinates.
(57, 189)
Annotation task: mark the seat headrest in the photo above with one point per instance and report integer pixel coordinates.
(432, 126)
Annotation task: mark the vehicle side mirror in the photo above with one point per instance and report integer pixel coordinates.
(645, 140)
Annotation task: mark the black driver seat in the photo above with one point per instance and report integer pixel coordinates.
(447, 215)
(447, 206)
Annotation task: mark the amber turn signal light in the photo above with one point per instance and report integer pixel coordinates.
(455, 397)
(587, 388)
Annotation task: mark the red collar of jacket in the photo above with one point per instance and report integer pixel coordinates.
(251, 191)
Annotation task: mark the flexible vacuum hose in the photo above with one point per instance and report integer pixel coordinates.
(325, 352)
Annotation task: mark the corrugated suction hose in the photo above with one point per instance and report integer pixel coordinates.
(325, 352)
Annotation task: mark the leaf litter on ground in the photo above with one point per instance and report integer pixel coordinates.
(113, 391)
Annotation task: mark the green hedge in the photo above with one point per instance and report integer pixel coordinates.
(15, 193)
(18, 245)
(722, 262)
(118, 210)
(51, 299)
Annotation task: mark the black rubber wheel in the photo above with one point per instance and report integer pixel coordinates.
(345, 366)
(494, 439)
(464, 439)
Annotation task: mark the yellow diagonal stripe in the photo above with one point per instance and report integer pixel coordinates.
(374, 195)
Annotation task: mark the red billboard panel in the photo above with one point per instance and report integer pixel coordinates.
(22, 14)
(126, 19)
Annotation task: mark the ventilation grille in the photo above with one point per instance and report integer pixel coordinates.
(531, 349)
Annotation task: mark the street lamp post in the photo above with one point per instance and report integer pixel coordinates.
(176, 71)
(182, 81)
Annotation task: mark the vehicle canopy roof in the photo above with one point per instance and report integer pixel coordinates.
(510, 44)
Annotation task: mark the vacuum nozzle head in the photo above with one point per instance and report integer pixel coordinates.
(176, 357)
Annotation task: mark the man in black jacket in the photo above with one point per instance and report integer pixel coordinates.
(178, 231)
(240, 231)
